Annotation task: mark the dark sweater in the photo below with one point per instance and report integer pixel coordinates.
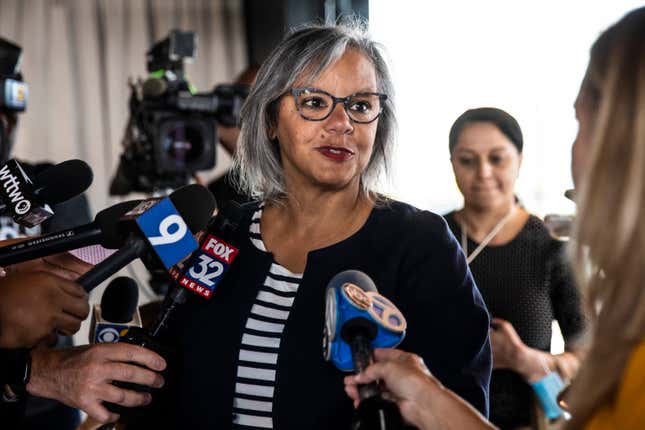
(526, 282)
(413, 259)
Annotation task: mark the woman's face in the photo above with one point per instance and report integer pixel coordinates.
(486, 165)
(580, 148)
(330, 154)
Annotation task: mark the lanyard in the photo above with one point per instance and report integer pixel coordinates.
(487, 239)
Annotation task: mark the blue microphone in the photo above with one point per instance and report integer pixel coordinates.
(160, 231)
(357, 320)
(353, 303)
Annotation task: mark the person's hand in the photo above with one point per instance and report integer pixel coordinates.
(422, 400)
(34, 304)
(82, 377)
(64, 265)
(505, 344)
(509, 352)
(407, 381)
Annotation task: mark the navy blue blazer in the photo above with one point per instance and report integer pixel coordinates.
(414, 260)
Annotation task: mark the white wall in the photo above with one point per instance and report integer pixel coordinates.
(525, 57)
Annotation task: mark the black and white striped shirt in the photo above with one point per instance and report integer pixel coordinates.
(259, 353)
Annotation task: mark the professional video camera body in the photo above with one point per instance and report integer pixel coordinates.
(172, 131)
(13, 94)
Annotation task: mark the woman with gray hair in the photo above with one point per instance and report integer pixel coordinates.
(317, 130)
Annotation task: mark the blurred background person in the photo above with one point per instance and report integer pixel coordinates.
(223, 187)
(40, 413)
(520, 270)
(608, 166)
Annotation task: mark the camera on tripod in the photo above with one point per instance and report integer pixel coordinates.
(172, 129)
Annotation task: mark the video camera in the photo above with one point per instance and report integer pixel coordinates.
(172, 131)
(13, 94)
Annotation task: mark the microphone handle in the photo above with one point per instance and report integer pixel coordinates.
(49, 244)
(137, 336)
(132, 249)
(361, 349)
(374, 412)
(176, 297)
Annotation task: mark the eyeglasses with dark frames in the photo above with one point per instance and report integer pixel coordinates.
(314, 104)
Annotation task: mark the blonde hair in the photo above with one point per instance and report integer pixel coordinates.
(609, 250)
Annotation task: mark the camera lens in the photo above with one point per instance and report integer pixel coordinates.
(183, 143)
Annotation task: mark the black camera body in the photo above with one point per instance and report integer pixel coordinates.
(171, 133)
(13, 95)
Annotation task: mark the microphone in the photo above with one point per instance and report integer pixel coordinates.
(27, 201)
(117, 313)
(215, 244)
(357, 320)
(117, 319)
(163, 226)
(218, 235)
(104, 231)
(206, 267)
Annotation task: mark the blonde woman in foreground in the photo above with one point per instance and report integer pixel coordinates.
(609, 254)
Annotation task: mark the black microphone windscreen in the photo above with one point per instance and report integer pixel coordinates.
(355, 277)
(195, 204)
(120, 300)
(64, 181)
(108, 221)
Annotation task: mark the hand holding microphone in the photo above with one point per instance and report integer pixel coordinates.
(158, 227)
(103, 363)
(358, 319)
(423, 401)
(82, 377)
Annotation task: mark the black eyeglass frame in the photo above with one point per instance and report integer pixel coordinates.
(295, 92)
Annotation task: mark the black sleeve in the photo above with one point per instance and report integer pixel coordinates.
(565, 297)
(448, 321)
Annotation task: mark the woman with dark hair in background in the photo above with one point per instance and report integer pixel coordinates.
(317, 130)
(519, 268)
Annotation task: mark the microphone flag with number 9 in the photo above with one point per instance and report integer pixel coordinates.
(167, 232)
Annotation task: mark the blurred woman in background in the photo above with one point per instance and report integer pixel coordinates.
(609, 172)
(519, 268)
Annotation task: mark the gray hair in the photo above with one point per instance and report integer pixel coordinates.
(303, 55)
